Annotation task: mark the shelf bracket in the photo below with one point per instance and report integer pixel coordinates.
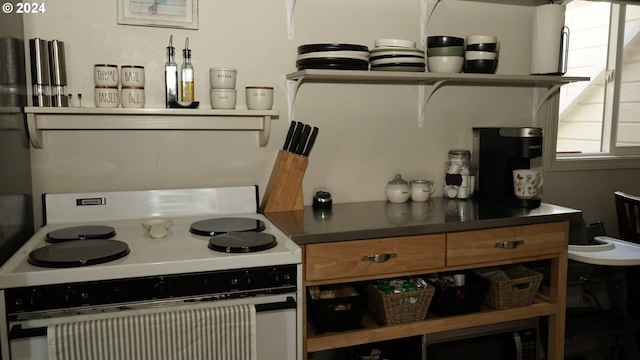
(292, 92)
(538, 104)
(425, 17)
(263, 135)
(425, 94)
(291, 5)
(35, 134)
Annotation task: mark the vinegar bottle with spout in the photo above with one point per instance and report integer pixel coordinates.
(187, 80)
(171, 75)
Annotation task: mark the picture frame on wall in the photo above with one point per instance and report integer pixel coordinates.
(161, 13)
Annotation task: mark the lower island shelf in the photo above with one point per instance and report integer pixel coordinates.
(356, 261)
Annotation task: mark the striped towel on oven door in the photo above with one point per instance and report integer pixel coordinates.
(223, 333)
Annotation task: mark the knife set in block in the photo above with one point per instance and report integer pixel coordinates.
(284, 190)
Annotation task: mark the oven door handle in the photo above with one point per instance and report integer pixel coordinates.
(290, 303)
(18, 332)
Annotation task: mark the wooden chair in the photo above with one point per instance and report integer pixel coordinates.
(628, 213)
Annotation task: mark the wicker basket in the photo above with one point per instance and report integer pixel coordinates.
(519, 290)
(401, 307)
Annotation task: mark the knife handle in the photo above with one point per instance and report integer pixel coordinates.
(312, 140)
(296, 137)
(303, 139)
(287, 140)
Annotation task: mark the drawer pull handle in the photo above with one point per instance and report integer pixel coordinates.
(509, 244)
(378, 258)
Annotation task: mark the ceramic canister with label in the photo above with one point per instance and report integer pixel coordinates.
(132, 97)
(107, 97)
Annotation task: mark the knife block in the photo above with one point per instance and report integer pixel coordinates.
(284, 190)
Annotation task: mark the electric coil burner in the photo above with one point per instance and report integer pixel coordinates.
(213, 227)
(75, 253)
(234, 234)
(80, 233)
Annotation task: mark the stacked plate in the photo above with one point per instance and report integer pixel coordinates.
(333, 57)
(396, 55)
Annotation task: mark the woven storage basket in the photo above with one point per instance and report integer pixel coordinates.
(519, 290)
(401, 307)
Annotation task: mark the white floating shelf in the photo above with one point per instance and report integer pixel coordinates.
(50, 119)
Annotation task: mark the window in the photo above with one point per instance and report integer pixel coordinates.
(600, 119)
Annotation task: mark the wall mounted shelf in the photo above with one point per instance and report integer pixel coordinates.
(428, 82)
(49, 119)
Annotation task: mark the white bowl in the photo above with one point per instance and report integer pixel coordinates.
(223, 98)
(445, 64)
(259, 97)
(222, 78)
(479, 55)
(481, 39)
(394, 43)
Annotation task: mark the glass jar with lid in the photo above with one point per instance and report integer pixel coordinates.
(459, 175)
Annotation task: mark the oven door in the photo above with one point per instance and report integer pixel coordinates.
(276, 326)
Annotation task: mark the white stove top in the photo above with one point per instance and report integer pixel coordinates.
(177, 253)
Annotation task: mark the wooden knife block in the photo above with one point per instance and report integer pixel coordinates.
(284, 190)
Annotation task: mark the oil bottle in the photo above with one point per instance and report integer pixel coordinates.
(171, 75)
(187, 79)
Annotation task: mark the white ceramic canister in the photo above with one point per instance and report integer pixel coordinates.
(223, 98)
(132, 76)
(222, 78)
(105, 75)
(107, 97)
(132, 97)
(259, 97)
(398, 190)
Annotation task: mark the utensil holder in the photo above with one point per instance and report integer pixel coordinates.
(284, 190)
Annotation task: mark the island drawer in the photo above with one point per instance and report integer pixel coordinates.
(506, 243)
(374, 257)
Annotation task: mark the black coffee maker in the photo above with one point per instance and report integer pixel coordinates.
(497, 152)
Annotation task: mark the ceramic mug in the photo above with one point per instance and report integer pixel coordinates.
(421, 190)
(526, 183)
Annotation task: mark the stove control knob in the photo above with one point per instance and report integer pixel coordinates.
(34, 299)
(246, 281)
(71, 297)
(276, 278)
(163, 289)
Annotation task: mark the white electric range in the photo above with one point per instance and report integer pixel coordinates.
(141, 251)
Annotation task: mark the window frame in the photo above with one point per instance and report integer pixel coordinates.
(611, 156)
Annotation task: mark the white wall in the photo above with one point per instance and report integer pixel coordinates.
(367, 132)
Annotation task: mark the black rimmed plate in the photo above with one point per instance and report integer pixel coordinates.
(303, 49)
(399, 68)
(76, 253)
(333, 63)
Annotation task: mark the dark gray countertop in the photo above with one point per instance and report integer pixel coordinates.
(378, 219)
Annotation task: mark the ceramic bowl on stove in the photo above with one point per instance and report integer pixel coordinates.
(444, 40)
(484, 66)
(446, 51)
(445, 64)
